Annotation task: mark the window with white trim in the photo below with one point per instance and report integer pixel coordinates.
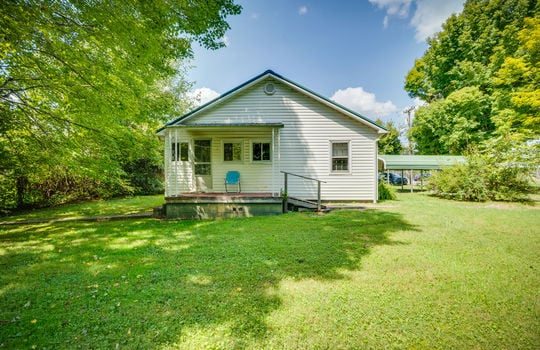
(179, 151)
(232, 151)
(260, 151)
(202, 150)
(340, 162)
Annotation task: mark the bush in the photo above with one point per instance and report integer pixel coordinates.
(59, 187)
(463, 182)
(500, 173)
(385, 192)
(145, 175)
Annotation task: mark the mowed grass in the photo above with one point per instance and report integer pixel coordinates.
(118, 206)
(418, 273)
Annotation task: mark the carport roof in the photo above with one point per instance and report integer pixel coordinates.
(414, 162)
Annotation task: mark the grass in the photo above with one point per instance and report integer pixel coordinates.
(119, 206)
(419, 272)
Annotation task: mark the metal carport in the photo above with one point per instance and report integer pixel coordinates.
(416, 162)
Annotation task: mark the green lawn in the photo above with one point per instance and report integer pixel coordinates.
(119, 206)
(416, 273)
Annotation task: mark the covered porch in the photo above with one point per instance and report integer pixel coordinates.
(199, 156)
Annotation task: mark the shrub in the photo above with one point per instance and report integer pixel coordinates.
(145, 175)
(385, 192)
(463, 182)
(501, 172)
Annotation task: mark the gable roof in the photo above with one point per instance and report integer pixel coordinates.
(269, 73)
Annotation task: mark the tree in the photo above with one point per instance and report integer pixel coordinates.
(517, 107)
(389, 143)
(83, 85)
(477, 54)
(454, 124)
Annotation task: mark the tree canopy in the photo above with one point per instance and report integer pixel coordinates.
(479, 77)
(83, 85)
(389, 143)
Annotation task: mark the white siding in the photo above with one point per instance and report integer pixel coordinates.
(305, 144)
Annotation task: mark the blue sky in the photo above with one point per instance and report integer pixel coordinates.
(354, 52)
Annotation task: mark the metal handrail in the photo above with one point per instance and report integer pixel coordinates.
(285, 200)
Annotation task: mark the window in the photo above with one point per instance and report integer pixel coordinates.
(179, 151)
(232, 151)
(260, 151)
(340, 157)
(202, 151)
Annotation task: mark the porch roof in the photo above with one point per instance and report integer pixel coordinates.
(228, 125)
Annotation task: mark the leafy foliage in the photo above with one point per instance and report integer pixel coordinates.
(502, 172)
(476, 55)
(385, 192)
(452, 125)
(518, 102)
(84, 84)
(389, 143)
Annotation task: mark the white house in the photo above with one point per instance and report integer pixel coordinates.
(266, 126)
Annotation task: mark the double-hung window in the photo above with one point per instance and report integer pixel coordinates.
(340, 162)
(232, 151)
(260, 151)
(202, 150)
(179, 151)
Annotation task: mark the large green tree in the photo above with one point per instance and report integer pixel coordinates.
(453, 124)
(84, 83)
(471, 57)
(389, 143)
(517, 101)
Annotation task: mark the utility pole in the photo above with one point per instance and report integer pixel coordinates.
(408, 111)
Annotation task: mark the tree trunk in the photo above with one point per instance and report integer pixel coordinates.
(22, 186)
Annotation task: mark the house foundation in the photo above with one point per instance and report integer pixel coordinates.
(226, 205)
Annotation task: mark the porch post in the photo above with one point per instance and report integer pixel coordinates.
(176, 162)
(279, 148)
(167, 164)
(318, 196)
(273, 160)
(285, 194)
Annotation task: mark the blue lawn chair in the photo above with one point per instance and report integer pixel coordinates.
(232, 178)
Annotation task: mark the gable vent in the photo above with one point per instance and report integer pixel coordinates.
(269, 89)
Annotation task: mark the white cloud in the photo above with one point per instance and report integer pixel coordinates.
(398, 8)
(428, 16)
(363, 102)
(385, 22)
(418, 102)
(202, 95)
(302, 10)
(226, 40)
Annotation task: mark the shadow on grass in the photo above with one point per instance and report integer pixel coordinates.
(149, 283)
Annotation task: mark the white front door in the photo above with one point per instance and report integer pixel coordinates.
(203, 166)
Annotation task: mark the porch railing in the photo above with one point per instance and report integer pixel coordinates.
(286, 196)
